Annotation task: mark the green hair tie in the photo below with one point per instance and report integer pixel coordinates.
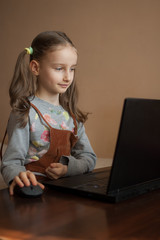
(29, 50)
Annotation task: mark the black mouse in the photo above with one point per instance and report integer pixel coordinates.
(28, 191)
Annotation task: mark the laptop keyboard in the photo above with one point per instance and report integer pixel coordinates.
(99, 186)
(91, 182)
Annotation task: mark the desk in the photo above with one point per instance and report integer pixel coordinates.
(63, 216)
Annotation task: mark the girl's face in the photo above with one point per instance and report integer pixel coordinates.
(56, 71)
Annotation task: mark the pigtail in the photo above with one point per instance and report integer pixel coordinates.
(22, 86)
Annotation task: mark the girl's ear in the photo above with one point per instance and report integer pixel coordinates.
(34, 67)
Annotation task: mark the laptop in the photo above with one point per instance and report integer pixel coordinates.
(136, 163)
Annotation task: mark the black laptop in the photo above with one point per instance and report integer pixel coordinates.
(136, 163)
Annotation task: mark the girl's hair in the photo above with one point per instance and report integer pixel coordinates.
(24, 83)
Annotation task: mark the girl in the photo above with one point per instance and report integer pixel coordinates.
(45, 129)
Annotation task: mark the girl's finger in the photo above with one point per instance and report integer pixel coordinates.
(31, 177)
(24, 178)
(51, 174)
(55, 165)
(41, 185)
(27, 178)
(11, 188)
(16, 181)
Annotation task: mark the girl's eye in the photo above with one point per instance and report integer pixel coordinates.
(59, 68)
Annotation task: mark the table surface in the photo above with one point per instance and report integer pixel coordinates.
(58, 215)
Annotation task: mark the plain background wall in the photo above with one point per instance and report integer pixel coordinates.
(119, 54)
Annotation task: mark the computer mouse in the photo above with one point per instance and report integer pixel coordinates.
(28, 191)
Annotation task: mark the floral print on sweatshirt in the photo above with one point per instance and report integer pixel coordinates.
(48, 118)
(57, 118)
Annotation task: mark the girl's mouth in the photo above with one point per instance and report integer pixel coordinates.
(63, 85)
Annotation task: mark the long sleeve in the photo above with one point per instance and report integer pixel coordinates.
(14, 157)
(83, 158)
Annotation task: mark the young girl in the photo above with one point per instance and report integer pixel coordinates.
(45, 129)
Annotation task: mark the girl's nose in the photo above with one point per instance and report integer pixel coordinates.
(67, 76)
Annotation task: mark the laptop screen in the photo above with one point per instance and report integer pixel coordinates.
(137, 153)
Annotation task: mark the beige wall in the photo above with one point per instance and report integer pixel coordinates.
(119, 54)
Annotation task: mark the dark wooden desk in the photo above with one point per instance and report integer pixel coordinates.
(64, 216)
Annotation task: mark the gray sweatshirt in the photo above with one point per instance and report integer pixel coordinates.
(32, 142)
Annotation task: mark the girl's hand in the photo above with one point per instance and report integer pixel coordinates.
(24, 179)
(56, 170)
